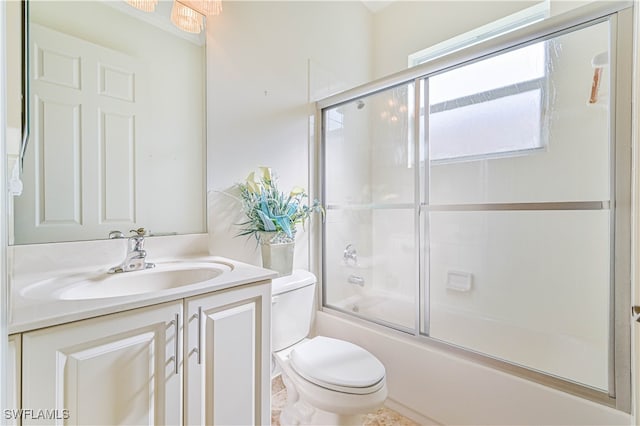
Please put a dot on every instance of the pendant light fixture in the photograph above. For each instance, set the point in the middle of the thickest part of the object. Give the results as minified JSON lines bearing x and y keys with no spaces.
{"x":186,"y":18}
{"x":211,"y":7}
{"x":144,"y":5}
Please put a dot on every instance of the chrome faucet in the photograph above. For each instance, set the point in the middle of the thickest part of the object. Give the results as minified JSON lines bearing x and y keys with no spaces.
{"x":135,"y":260}
{"x":350,"y":255}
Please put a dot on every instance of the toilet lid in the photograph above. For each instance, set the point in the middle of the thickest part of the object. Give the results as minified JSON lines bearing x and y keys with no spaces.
{"x":338,"y":365}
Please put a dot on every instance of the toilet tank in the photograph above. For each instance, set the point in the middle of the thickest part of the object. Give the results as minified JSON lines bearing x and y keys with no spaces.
{"x":291,"y":308}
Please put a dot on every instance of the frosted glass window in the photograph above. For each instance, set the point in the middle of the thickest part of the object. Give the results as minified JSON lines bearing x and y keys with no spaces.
{"x":502,"y":125}
{"x":507,"y":69}
{"x":491,"y":107}
{"x":540,"y":142}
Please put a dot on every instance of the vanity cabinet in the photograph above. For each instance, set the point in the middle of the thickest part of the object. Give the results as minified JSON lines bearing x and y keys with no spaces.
{"x":227,"y":346}
{"x":13,"y":378}
{"x":118,"y":369}
{"x":133,"y":368}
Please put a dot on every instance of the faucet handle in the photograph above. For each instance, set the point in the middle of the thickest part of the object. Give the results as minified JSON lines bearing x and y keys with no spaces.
{"x":140,"y":232}
{"x":115,"y":234}
{"x":350,"y":255}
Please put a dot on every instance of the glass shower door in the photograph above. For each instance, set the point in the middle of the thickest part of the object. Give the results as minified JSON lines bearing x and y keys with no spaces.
{"x":486,"y":206}
{"x":370,"y":231}
{"x":520,"y":216}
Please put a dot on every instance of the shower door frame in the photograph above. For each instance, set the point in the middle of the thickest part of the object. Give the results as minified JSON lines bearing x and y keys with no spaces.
{"x":620,"y":16}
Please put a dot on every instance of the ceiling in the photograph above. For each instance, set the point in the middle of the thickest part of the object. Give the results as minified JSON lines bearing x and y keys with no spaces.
{"x":376,"y":5}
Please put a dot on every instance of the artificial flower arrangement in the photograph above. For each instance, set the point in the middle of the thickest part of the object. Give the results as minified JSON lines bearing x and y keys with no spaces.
{"x":270,"y":210}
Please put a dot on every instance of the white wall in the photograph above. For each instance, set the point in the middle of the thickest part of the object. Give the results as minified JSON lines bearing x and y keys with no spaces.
{"x":265,"y":62}
{"x":406,"y":27}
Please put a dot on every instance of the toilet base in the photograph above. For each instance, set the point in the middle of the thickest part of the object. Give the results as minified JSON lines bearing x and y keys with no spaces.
{"x":298,"y":412}
{"x":310,"y":404}
{"x":313,"y":416}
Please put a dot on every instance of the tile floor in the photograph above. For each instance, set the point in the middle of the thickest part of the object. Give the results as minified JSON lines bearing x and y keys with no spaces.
{"x":383,"y":417}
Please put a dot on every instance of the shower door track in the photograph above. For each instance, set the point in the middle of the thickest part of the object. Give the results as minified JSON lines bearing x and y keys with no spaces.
{"x":542,"y":206}
{"x":545,"y":206}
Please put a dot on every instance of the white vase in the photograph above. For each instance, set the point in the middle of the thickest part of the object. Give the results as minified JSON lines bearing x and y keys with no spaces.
{"x":277,"y":252}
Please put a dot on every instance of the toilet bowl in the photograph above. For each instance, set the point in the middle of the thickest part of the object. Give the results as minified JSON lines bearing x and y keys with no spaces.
{"x":328,"y":381}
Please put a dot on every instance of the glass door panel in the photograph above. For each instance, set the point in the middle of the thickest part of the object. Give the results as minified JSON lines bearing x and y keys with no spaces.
{"x":504,"y":239}
{"x":367,"y":150}
{"x":519,"y":206}
{"x":524,"y":126}
{"x":531,"y":288}
{"x":370,"y":230}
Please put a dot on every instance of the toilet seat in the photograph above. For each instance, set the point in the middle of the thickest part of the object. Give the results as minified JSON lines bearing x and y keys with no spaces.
{"x":338,"y":365}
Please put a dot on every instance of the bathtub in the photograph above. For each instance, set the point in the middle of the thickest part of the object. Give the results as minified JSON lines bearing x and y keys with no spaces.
{"x":569,"y":357}
{"x":381,"y":306}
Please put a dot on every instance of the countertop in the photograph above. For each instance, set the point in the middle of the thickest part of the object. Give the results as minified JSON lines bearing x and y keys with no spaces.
{"x":30,"y":313}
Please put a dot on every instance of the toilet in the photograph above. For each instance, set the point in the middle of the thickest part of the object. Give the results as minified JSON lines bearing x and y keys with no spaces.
{"x":328,"y":381}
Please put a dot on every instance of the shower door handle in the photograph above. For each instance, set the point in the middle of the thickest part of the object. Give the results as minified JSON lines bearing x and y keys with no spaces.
{"x":635,"y":313}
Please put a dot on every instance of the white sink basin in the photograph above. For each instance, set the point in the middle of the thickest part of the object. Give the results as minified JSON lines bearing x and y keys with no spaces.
{"x":96,"y":285}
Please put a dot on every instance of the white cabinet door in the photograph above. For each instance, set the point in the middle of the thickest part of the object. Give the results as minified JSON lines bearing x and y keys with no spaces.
{"x":227,"y":348}
{"x":120,"y":369}
{"x":12,"y":417}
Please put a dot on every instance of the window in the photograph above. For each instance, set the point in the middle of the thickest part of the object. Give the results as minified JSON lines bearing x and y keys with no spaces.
{"x":499,"y":113}
{"x":463,"y":123}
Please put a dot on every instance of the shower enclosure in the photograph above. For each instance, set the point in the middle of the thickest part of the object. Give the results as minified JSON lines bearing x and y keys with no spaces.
{"x":481,"y":202}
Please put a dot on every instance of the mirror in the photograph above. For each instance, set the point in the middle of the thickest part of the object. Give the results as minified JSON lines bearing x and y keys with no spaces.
{"x":117,"y":124}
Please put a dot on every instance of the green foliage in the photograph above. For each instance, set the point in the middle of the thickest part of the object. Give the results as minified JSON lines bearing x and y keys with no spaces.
{"x":270,"y":210}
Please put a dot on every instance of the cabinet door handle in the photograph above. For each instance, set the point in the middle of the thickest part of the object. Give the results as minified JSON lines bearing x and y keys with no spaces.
{"x":177,"y":345}
{"x":199,"y":335}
